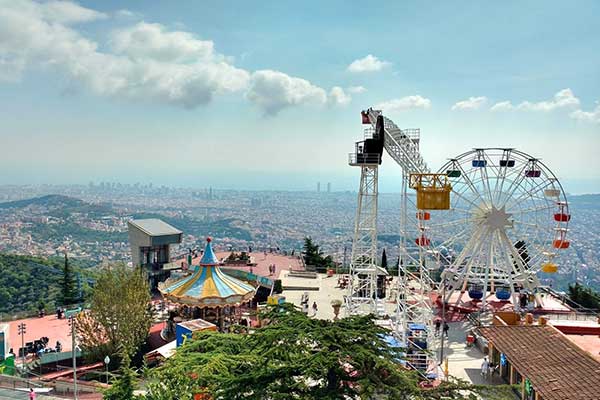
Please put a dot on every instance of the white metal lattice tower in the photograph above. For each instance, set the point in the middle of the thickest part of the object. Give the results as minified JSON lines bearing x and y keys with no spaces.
{"x":363,"y":268}
{"x":413,"y":300}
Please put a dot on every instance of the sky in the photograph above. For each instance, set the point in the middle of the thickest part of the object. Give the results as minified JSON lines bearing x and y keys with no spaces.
{"x":267,"y":95}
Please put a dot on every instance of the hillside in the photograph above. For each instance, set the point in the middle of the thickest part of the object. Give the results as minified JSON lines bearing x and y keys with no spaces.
{"x":25,"y":280}
{"x":41,"y":225}
{"x":219,"y":228}
{"x":60,"y":206}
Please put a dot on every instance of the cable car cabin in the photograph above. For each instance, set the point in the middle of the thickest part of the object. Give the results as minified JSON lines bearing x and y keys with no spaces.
{"x":479,"y":163}
{"x":533,"y":173}
{"x":422,"y":241}
{"x":423,"y":215}
{"x":433,"y":191}
{"x":549,"y":268}
{"x":562,"y":217}
{"x":507,"y":163}
{"x":551,"y":192}
{"x":453,"y":173}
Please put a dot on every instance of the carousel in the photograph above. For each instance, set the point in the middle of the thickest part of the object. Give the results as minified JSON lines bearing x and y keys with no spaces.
{"x":205,"y":292}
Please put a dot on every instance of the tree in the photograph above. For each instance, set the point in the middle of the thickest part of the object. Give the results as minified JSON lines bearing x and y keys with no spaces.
{"x":584,"y":296}
{"x":294,"y":357}
{"x":120,"y":314}
{"x":384,"y":264}
{"x":68,"y":292}
{"x":314,"y":256}
{"x":125,"y":385}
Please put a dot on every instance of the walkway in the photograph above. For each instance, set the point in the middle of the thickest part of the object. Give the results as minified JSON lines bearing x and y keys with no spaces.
{"x":14,"y":394}
{"x":465,"y":362}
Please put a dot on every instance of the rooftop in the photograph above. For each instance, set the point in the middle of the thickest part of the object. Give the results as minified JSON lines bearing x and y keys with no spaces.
{"x":557,"y":368}
{"x":154,"y":227}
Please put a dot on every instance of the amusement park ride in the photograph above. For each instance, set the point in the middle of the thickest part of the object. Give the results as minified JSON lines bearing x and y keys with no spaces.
{"x":484,"y":224}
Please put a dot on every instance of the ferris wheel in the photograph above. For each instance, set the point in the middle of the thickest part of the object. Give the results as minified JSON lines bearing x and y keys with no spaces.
{"x":507,"y":220}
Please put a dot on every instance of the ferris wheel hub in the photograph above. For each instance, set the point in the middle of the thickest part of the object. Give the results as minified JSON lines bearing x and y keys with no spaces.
{"x":494,"y":218}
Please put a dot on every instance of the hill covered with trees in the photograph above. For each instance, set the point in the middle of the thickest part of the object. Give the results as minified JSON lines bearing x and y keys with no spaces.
{"x":26,"y":281}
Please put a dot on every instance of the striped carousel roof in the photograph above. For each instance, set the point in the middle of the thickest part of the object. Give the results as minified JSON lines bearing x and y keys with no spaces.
{"x":207,"y":286}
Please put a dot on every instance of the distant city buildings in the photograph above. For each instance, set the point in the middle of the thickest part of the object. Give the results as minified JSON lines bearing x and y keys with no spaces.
{"x":238,"y":219}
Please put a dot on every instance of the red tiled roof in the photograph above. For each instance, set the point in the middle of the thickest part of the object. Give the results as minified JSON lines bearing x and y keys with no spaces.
{"x":557,"y":368}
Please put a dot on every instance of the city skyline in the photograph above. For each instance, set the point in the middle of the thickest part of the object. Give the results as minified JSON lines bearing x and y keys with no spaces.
{"x":212,"y":95}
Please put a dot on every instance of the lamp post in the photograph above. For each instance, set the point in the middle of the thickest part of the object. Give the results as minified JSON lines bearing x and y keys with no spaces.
{"x":22,"y":330}
{"x":106,"y":362}
{"x":443,"y":321}
{"x":74,"y":353}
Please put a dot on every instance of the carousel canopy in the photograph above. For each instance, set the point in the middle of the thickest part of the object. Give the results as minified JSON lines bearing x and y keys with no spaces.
{"x":207,"y":286}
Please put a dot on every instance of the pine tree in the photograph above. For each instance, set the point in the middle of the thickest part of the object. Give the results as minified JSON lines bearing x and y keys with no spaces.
{"x":384,"y":260}
{"x":125,"y":385}
{"x":296,"y":357}
{"x":314,"y":256}
{"x":69,"y":294}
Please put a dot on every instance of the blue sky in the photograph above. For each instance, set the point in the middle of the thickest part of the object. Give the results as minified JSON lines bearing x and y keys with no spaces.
{"x":266,"y":95}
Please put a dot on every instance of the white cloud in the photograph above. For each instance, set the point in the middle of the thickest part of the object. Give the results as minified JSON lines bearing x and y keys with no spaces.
{"x":562,"y":99}
{"x":502,"y":106}
{"x":369,"y":63}
{"x":142,"y":62}
{"x":337,"y":96}
{"x":472,"y":103}
{"x":587,"y":116}
{"x":124,"y":13}
{"x":144,"y":40}
{"x":273,"y":91}
{"x":66,"y":12}
{"x":356,"y":89}
{"x":404,"y":103}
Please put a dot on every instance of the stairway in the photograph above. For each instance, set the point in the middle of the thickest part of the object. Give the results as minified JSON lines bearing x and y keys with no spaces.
{"x":402,"y":145}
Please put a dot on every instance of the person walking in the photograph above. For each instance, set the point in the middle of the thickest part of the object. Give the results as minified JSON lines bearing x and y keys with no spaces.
{"x":446,"y":329}
{"x":485,"y":367}
{"x":315,"y":308}
{"x":32,"y":395}
{"x":438,"y":324}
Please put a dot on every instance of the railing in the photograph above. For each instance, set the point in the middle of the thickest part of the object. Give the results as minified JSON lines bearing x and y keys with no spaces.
{"x":363,"y":158}
{"x":576,"y":316}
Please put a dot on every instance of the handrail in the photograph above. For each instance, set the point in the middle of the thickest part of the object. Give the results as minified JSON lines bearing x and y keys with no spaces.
{"x":407,"y":155}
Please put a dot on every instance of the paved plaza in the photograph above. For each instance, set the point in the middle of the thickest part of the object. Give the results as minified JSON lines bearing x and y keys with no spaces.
{"x":463,"y":362}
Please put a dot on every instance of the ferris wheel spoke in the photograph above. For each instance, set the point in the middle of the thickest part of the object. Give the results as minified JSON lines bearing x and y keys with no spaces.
{"x":484,"y":175}
{"x":469,"y":183}
{"x":501,"y":176}
{"x":536,"y":226}
{"x":535,"y":209}
{"x":444,"y":225}
{"x":515,"y":184}
{"x":471,"y":202}
{"x":516,"y":259}
{"x":528,"y":193}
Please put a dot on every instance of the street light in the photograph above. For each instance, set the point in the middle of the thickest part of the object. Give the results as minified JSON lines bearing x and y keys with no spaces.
{"x":106,"y":362}
{"x":72,"y":321}
{"x":22,"y":330}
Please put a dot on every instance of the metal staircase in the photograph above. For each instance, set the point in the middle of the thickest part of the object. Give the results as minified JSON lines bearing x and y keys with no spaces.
{"x":401,"y":145}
